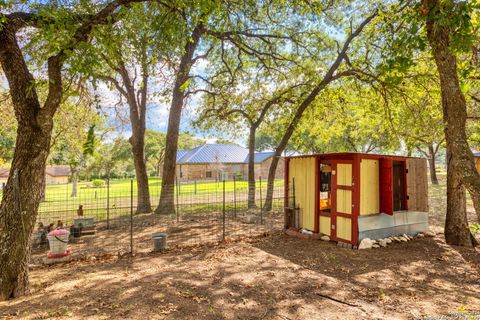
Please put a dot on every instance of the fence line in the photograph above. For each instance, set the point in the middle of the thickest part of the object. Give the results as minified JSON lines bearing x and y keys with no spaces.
{"x":204,"y":212}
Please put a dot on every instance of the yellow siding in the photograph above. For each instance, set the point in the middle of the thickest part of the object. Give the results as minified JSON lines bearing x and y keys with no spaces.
{"x":344,"y":201}
{"x":344,"y":228}
{"x":303,"y":170}
{"x":325,"y":225}
{"x":369,"y":187}
{"x":344,"y":174}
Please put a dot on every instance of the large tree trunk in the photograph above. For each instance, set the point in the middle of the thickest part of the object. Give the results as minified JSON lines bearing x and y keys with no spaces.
{"x":456,"y":223}
{"x":167,"y":204}
{"x":251,"y":169}
{"x":18,"y":209}
{"x":143,"y":193}
{"x":74,"y":182}
{"x":432,"y":165}
{"x":137,"y":103}
{"x":454,"y":105}
{"x":24,"y":188}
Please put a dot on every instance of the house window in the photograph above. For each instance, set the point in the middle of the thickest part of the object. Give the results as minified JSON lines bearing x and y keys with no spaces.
{"x":208,"y":174}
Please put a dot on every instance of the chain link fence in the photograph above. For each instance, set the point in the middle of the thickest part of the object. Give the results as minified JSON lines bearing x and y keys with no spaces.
{"x":102,"y":216}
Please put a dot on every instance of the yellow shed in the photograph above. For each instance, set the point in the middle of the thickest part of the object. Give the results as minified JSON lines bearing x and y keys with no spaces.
{"x":351,"y":196}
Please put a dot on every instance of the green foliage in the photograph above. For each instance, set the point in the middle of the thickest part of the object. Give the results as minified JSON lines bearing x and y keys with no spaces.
{"x":97,"y":183}
{"x":348,"y":117}
{"x":475,"y":228}
{"x":8,"y":129}
{"x":89,"y":145}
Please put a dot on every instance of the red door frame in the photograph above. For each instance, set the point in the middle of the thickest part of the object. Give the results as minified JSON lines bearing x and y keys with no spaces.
{"x":355,"y":161}
{"x":334,"y":213}
{"x":318,"y":162}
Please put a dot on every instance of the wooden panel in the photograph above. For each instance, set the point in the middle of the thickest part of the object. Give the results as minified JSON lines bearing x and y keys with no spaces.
{"x":303,"y":170}
{"x":344,"y":228}
{"x":477,"y":164}
{"x":344,"y":201}
{"x":417,"y":184}
{"x":325,"y":225}
{"x":344,"y":174}
{"x":386,"y":185}
{"x":369,"y":187}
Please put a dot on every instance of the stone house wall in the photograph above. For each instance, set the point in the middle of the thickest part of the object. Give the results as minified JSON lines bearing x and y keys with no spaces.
{"x":219,"y":171}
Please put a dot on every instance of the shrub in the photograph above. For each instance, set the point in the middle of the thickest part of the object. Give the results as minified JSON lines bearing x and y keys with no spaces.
{"x":98,"y":183}
{"x":475,"y":228}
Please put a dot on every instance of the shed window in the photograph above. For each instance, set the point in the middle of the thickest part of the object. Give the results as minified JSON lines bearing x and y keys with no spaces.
{"x":208,"y":174}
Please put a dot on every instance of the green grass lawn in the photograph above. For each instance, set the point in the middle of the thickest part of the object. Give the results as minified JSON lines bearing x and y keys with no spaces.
{"x":192,"y":198}
{"x":123,"y":188}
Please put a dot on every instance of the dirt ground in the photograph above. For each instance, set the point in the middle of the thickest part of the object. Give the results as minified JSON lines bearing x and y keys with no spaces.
{"x":275,"y":277}
{"x":189,"y":230}
{"x":265,"y":277}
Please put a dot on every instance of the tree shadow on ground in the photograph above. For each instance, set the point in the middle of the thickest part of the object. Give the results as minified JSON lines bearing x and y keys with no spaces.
{"x":274,"y":278}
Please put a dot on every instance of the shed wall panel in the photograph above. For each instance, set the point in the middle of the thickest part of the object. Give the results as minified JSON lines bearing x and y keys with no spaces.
{"x":325,"y":225}
{"x":303,"y":170}
{"x":344,"y":228}
{"x":344,"y":174}
{"x":344,"y":201}
{"x":369,"y":187}
{"x":417,"y":184}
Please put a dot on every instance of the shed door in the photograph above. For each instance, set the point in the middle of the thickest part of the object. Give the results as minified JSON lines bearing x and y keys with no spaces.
{"x":386,"y":183}
{"x":342,"y":201}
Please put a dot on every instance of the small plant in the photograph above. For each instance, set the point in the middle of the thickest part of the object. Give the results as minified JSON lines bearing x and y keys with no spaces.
{"x":475,"y":228}
{"x":97,"y":183}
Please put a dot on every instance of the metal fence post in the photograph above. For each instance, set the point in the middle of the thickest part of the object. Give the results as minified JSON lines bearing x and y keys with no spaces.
{"x":131,"y":217}
{"x":195,"y":185}
{"x":234,"y":196}
{"x":261,"y":202}
{"x":108,"y":203}
{"x":178,"y":194}
{"x":223,"y":211}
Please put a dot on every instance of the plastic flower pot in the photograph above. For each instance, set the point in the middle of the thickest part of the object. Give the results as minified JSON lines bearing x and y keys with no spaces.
{"x":58,"y":241}
{"x":159,"y":241}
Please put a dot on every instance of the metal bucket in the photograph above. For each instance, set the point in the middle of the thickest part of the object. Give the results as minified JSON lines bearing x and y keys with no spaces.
{"x":159,"y":241}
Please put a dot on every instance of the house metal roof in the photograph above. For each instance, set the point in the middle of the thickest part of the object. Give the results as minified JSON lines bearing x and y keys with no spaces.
{"x":54,"y":171}
{"x":4,"y":172}
{"x":476,"y":154}
{"x":219,"y":153}
{"x":57,"y":170}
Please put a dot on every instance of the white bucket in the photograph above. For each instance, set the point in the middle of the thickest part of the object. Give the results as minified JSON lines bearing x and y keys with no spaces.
{"x":58,"y":241}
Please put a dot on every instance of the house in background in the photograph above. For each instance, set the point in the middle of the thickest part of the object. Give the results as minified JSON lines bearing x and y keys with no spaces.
{"x":56,"y":174}
{"x":3,"y":175}
{"x":223,"y":162}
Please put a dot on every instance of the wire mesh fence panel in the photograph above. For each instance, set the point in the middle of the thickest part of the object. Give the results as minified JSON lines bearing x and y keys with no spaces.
{"x":102,"y":214}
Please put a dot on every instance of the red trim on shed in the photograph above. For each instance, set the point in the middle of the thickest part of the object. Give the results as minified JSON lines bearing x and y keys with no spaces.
{"x":386,"y":182}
